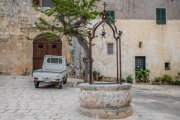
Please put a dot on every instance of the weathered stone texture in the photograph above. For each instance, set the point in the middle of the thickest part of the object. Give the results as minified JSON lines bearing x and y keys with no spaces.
{"x":160,"y":43}
{"x":17,"y":19}
{"x":105,"y":101}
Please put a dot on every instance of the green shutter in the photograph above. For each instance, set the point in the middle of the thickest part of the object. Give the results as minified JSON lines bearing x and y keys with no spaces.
{"x":160,"y":15}
{"x":163,"y":16}
{"x":112,"y":15}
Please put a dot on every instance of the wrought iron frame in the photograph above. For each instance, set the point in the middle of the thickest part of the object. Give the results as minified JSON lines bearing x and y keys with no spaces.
{"x":117,"y":37}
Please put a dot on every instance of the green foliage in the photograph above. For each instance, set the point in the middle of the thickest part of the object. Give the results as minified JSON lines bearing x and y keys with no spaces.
{"x":47,"y":36}
{"x":83,"y":73}
{"x":166,"y":78}
{"x":129,"y":78}
{"x":71,"y":11}
{"x":157,"y":79}
{"x":142,"y":75}
{"x":97,"y":75}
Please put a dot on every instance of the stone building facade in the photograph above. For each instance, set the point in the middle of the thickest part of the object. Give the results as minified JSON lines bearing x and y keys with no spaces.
{"x":144,"y":41}
{"x":17,"y":19}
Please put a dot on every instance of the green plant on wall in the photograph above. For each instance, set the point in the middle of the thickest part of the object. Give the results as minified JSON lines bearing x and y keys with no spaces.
{"x":129,"y":78}
{"x":142,"y":75}
{"x":157,"y":79}
{"x":167,"y":78}
{"x":97,"y":75}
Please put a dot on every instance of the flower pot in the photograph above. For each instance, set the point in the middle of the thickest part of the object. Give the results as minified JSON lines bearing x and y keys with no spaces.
{"x":129,"y":82}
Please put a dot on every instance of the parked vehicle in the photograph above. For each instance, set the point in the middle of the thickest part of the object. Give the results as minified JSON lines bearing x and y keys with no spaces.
{"x":54,"y":71}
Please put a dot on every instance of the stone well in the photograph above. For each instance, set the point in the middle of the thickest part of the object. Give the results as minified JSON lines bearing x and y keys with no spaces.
{"x":105,"y":101}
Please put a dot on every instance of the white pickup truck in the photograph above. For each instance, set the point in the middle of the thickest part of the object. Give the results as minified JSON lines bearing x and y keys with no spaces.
{"x":54,"y":71}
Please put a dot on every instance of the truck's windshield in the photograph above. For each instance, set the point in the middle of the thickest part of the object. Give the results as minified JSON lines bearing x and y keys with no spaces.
{"x":54,"y":60}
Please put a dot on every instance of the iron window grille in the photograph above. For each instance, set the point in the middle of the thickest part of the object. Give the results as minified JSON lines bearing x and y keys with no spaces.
{"x":110,"y":47}
{"x":140,"y":62}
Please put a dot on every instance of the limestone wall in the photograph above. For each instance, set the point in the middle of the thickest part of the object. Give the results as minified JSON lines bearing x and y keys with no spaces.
{"x":160,"y":43}
{"x":17,"y":19}
{"x":136,"y":18}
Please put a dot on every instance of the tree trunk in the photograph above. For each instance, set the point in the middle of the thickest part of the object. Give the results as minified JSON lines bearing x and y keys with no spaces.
{"x":86,"y":50}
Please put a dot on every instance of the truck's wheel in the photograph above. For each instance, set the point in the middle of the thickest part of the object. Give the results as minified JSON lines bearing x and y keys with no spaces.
{"x":36,"y":84}
{"x":60,"y":86}
{"x":65,"y":80}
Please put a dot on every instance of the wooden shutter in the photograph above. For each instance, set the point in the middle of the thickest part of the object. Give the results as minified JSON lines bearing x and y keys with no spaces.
{"x":163,"y":16}
{"x":158,"y":16}
{"x":36,"y":2}
{"x":110,"y":48}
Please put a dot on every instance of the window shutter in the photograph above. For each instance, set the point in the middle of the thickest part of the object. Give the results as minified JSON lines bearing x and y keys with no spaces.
{"x":163,"y":14}
{"x":36,"y":2}
{"x":110,"y":48}
{"x":47,"y":3}
{"x":112,"y":14}
{"x":158,"y":16}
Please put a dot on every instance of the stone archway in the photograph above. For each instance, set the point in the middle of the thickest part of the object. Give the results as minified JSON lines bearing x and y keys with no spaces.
{"x":42,"y":47}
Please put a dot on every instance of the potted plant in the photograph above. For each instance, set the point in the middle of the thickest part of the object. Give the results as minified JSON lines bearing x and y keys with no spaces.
{"x":142,"y":75}
{"x":129,"y":79}
{"x":166,"y":79}
{"x":100,"y":77}
{"x":157,"y":81}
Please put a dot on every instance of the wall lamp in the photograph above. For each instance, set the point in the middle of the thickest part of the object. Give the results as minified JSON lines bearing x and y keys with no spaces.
{"x":140,"y":44}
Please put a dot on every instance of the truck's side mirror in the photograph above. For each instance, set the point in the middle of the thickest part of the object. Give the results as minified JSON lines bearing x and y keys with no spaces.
{"x":67,"y":64}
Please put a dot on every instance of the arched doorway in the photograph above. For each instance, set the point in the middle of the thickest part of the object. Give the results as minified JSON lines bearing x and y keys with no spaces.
{"x":42,"y":47}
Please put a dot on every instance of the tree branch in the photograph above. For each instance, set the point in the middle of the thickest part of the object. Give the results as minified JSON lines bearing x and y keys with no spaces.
{"x":61,"y":19}
{"x":77,"y":24}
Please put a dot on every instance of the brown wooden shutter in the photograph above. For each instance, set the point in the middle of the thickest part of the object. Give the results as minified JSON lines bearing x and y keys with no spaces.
{"x":36,"y":2}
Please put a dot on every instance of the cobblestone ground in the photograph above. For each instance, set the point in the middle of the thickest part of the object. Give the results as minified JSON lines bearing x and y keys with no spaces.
{"x":19,"y":100}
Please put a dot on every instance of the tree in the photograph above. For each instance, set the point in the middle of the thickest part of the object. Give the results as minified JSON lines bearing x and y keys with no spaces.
{"x":71,"y":18}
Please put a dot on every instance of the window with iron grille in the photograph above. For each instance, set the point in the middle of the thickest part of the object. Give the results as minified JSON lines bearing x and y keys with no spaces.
{"x":140,"y":62}
{"x":110,"y":48}
{"x":43,"y":3}
{"x":112,"y":15}
{"x":160,"y":15}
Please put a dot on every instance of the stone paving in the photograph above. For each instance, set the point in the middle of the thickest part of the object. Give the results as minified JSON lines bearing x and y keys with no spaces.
{"x":19,"y":100}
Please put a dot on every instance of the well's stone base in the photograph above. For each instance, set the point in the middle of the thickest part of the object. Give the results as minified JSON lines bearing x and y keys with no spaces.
{"x":107,"y":113}
{"x":105,"y":101}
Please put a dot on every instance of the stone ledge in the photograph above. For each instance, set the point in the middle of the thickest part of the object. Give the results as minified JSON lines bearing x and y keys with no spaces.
{"x":105,"y":86}
{"x":115,"y":113}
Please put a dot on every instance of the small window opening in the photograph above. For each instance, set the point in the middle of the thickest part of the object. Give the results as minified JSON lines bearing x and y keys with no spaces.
{"x":110,"y":48}
{"x":40,"y":46}
{"x":167,"y":66}
{"x":54,"y":46}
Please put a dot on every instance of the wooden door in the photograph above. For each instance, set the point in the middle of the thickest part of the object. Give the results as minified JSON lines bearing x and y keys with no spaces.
{"x":42,"y":48}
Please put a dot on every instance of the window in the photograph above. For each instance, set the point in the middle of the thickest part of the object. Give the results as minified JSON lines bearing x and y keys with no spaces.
{"x":43,"y":3}
{"x":54,"y":46}
{"x":110,"y":48}
{"x":112,"y":15}
{"x":40,"y":46}
{"x":167,"y":66}
{"x":160,"y":15}
{"x":36,"y":2}
{"x":54,"y":60}
{"x":140,"y":62}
